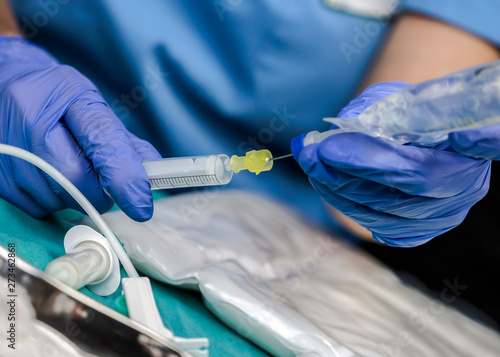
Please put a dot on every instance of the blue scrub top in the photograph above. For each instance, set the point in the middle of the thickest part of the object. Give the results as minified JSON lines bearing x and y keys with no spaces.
{"x":197,"y":77}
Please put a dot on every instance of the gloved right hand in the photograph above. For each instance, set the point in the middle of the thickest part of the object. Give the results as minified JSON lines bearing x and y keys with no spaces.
{"x":56,"y":113}
{"x":404,"y":194}
{"x":482,"y":143}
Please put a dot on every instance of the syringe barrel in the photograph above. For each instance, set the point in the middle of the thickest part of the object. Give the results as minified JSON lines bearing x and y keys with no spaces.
{"x":189,"y":171}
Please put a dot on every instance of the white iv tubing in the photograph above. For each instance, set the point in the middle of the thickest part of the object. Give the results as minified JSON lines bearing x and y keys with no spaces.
{"x":80,"y":198}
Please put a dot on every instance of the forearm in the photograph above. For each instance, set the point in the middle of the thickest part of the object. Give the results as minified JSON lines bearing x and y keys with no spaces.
{"x":8,"y":24}
{"x":420,"y":48}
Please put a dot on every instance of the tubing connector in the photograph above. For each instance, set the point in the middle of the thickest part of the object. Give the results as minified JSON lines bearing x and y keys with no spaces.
{"x":89,"y":261}
{"x":254,"y":161}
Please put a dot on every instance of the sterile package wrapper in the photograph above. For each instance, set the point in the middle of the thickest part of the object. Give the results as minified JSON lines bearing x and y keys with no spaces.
{"x":292,"y":288}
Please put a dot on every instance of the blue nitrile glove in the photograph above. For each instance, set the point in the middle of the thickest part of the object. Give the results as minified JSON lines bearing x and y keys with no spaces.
{"x":483,"y":143}
{"x":55,"y":112}
{"x":404,"y":194}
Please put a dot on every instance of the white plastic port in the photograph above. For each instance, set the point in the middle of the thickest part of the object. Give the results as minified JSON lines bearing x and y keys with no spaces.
{"x":89,"y":261}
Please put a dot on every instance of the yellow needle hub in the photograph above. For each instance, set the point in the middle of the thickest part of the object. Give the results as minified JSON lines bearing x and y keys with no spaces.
{"x":254,"y":161}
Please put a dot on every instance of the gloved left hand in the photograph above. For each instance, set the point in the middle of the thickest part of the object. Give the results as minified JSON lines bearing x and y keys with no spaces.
{"x":404,"y":194}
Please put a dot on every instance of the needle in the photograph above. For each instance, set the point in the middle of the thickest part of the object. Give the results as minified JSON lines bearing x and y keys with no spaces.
{"x":281,"y":157}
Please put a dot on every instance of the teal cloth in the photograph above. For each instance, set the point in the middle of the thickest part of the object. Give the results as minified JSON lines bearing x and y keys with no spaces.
{"x":40,"y":241}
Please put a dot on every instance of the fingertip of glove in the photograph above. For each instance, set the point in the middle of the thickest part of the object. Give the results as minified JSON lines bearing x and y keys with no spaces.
{"x":308,"y":157}
{"x":132,"y":193}
{"x":142,"y":214}
{"x":297,"y":145}
{"x":138,"y":205}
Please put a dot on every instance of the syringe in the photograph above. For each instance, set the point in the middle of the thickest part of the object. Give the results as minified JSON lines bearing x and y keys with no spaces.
{"x":208,"y":170}
{"x":189,"y":171}
{"x":427,"y":112}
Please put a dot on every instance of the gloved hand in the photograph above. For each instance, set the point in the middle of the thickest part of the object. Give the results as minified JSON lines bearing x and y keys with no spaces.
{"x":483,"y":143}
{"x":404,"y":194}
{"x":55,"y":112}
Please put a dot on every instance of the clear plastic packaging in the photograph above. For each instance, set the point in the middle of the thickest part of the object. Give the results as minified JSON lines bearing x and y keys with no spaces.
{"x":427,"y":112}
{"x":291,"y":288}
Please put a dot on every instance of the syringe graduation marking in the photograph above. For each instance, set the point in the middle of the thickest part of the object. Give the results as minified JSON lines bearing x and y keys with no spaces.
{"x":174,"y":182}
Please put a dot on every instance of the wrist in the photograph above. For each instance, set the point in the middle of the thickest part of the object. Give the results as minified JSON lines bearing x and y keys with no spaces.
{"x":10,"y":36}
{"x":22,"y":46}
{"x":17,"y":55}
{"x":9,"y":33}
{"x":8,"y":23}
